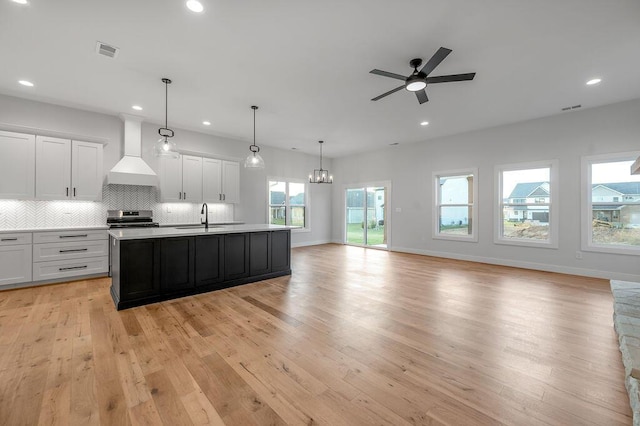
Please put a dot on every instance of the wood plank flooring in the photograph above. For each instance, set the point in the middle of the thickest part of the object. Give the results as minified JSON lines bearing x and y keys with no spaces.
{"x":353,"y":337}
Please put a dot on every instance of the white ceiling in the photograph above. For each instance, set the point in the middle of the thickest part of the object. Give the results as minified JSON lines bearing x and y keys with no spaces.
{"x":306,"y":63}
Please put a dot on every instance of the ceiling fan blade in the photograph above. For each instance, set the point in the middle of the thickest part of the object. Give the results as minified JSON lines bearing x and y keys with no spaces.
{"x":388,"y":93}
{"x":452,"y":77}
{"x":422,"y":96}
{"x":435,"y":60}
{"x":388,"y":74}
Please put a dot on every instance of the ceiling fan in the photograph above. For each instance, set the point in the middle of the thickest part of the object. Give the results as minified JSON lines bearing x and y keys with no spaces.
{"x":418,"y":80}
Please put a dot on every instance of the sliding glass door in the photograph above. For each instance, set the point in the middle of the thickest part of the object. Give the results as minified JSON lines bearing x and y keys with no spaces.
{"x":365,"y":216}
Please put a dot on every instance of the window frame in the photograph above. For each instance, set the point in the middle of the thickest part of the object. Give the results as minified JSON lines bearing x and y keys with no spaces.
{"x":554,"y":204}
{"x":437,"y":204}
{"x":287,"y":205}
{"x":586,"y":240}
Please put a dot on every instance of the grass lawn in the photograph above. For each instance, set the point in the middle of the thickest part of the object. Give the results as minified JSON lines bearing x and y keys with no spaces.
{"x":355,"y":234}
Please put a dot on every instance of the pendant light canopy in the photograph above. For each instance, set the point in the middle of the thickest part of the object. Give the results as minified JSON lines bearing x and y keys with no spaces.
{"x":165,"y":147}
{"x":254,"y":160}
{"x":320,"y":175}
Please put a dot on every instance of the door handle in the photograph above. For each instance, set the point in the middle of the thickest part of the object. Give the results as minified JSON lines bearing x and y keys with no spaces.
{"x":185,"y":196}
{"x":73,"y":236}
{"x":72,"y":267}
{"x":67,"y":191}
{"x":74,"y":250}
{"x":9,"y":239}
{"x":74,"y":191}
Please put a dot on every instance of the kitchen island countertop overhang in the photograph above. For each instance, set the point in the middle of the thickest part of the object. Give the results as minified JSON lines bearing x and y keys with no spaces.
{"x":166,"y":232}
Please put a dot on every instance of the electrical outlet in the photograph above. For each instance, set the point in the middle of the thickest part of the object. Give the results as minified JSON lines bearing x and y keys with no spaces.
{"x":579,"y":255}
{"x":398,"y":209}
{"x":168,"y":209}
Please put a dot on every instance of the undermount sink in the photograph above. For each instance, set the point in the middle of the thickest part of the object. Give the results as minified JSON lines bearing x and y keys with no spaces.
{"x":196,"y":227}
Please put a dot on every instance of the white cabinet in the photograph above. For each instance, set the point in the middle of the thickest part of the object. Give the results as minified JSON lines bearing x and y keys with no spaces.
{"x":221,"y":181}
{"x":68,"y":170}
{"x":17,"y":165}
{"x":181,"y":179}
{"x":62,"y":254}
{"x":15,"y":258}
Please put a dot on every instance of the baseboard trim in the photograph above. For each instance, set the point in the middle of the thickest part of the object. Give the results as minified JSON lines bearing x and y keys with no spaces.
{"x":310,"y":243}
{"x":523,"y":264}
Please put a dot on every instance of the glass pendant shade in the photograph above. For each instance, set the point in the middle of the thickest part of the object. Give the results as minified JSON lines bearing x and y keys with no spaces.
{"x":254,"y":161}
{"x":165,"y":148}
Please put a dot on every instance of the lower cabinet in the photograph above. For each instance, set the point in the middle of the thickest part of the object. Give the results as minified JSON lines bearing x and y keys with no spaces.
{"x":177,"y":257}
{"x":15,"y":264}
{"x":150,"y":270}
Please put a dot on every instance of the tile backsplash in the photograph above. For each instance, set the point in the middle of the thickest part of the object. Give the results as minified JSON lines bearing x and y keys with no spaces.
{"x":17,"y":214}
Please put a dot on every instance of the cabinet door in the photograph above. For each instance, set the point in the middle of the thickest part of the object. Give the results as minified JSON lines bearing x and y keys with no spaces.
{"x":260,"y":253}
{"x":280,"y":251}
{"x":211,"y":180}
{"x":236,"y":256}
{"x":230,"y":182}
{"x":209,"y":259}
{"x":17,"y":166}
{"x":15,"y":264}
{"x":192,"y":178}
{"x":86,"y":171}
{"x":139,"y":269}
{"x":171,"y":179}
{"x":53,"y":168}
{"x":177,"y":257}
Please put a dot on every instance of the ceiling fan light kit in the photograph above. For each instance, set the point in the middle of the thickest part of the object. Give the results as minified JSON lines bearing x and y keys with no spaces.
{"x":419,"y":79}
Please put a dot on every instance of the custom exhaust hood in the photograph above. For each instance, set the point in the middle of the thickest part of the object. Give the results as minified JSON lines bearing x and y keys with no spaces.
{"x":131,"y":169}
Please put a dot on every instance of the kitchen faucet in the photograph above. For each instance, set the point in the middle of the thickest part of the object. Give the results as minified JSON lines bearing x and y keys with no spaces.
{"x":205,"y":211}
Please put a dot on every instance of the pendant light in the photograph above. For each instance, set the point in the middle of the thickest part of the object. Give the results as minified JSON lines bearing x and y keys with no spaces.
{"x":254,"y":160}
{"x":165,"y":147}
{"x":320,"y":175}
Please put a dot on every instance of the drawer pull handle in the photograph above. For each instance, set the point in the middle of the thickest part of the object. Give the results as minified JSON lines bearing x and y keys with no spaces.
{"x":73,"y":250}
{"x":72,"y":267}
{"x":74,"y":236}
{"x":9,"y":239}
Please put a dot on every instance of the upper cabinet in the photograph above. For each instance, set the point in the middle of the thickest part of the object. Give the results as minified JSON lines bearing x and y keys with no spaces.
{"x":17,"y":165}
{"x":220,"y":181}
{"x":197,"y":179}
{"x":181,"y":179}
{"x":68,"y":170}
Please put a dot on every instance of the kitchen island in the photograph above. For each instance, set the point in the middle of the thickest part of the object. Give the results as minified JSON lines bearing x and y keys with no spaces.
{"x":153,"y":264}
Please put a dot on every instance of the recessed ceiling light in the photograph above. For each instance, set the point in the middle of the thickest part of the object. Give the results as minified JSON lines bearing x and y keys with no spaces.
{"x":424,"y":123}
{"x":20,"y":1}
{"x":195,"y":6}
{"x":206,"y":123}
{"x":593,"y":81}
{"x":25,"y":83}
{"x":137,"y":107}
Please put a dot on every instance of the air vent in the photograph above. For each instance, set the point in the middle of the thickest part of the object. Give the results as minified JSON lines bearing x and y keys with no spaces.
{"x":569,"y":108}
{"x":106,"y":50}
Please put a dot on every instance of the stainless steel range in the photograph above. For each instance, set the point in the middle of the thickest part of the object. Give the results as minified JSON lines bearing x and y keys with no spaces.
{"x":130,"y":219}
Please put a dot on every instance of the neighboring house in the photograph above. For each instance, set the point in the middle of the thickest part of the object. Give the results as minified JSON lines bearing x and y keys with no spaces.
{"x":454,"y":191}
{"x":617,"y":192}
{"x":528,"y":194}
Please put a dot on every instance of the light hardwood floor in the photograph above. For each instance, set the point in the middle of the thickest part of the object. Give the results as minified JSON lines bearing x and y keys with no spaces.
{"x":353,"y":337}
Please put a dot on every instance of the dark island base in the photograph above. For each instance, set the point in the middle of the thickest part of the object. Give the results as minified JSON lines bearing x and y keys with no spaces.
{"x":162,"y":297}
{"x":155,"y":269}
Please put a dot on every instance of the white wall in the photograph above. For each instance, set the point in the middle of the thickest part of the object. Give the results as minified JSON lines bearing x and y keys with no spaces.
{"x":566,"y":137}
{"x":18,"y":114}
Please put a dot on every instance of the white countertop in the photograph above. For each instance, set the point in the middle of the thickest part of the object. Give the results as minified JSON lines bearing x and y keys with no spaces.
{"x":163,"y":232}
{"x":174,"y":225}
{"x":62,"y":228}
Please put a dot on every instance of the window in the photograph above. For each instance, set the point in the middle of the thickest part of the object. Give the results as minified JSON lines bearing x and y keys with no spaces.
{"x":455,"y":212}
{"x":609,"y":224}
{"x":288,"y":203}
{"x":527,"y":204}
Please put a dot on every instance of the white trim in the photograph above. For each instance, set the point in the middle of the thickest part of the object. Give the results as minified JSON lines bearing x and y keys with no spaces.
{"x":594,"y":273}
{"x":386,"y":184}
{"x":310,"y":243}
{"x":435,"y":204}
{"x":554,"y":204}
{"x":307,"y":200}
{"x":586,"y":240}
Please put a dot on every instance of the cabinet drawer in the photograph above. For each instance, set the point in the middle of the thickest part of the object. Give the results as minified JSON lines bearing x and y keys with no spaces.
{"x":70,"y":250}
{"x":70,"y":268}
{"x":72,"y":235}
{"x":15,"y":239}
{"x":15,"y":264}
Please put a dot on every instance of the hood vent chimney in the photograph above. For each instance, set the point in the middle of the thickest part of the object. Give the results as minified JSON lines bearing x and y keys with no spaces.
{"x":131,"y":169}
